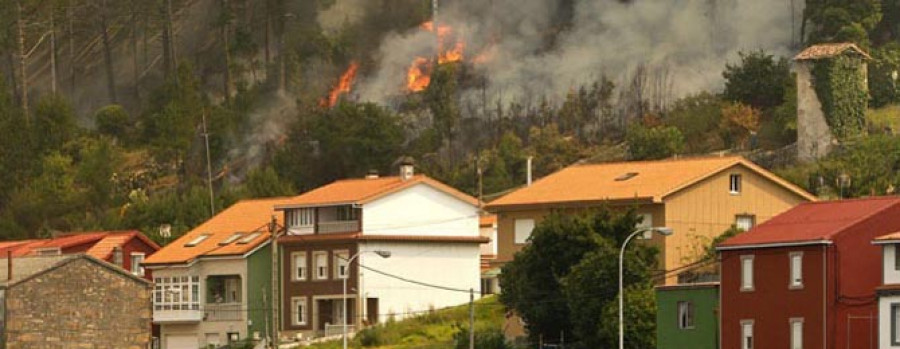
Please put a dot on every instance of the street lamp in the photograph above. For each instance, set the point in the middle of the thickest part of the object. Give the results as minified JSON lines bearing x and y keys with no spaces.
{"x":664,"y":231}
{"x":382,"y":254}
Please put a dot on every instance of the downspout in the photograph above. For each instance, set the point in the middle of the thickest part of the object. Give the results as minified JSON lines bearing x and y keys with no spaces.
{"x":824,"y":297}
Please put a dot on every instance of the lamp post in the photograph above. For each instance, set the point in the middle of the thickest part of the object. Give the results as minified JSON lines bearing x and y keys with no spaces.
{"x":383,"y":254}
{"x":664,"y":231}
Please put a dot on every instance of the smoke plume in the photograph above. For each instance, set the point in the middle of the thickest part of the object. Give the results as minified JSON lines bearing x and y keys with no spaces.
{"x":547,"y":47}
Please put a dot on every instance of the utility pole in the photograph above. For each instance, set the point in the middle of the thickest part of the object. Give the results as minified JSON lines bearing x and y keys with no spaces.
{"x":273,"y":235}
{"x":471,"y":318}
{"x":212,"y":203}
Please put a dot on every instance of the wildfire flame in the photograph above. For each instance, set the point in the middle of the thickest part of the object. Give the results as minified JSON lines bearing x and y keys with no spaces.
{"x":342,"y":87}
{"x":418,"y":75}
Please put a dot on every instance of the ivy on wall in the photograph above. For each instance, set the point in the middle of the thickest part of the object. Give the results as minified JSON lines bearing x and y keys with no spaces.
{"x":839,"y":83}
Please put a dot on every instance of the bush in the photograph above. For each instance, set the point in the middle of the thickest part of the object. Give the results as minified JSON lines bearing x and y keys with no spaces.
{"x":653,"y":143}
{"x":370,"y":337}
{"x":490,"y":338}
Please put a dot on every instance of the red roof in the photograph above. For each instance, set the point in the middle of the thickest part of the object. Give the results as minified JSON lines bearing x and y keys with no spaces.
{"x":101,"y":248}
{"x":811,"y":222}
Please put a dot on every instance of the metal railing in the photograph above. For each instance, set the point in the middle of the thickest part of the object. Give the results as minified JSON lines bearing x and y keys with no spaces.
{"x":223,"y":312}
{"x":337,"y":330}
{"x":338,"y":227}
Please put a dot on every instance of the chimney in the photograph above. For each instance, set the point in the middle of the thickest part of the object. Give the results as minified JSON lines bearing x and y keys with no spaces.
{"x":373,"y":174}
{"x":528,"y":174}
{"x":407,"y":168}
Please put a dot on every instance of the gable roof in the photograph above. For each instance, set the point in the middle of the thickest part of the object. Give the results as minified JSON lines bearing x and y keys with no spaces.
{"x":25,"y":268}
{"x":365,"y":190}
{"x":892,"y":238}
{"x":810,"y":223}
{"x":245,"y":217}
{"x":823,"y":51}
{"x":102,"y":243}
{"x":637,"y":180}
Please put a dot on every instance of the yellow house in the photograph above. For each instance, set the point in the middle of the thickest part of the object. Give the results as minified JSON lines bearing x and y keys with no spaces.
{"x":699,"y":198}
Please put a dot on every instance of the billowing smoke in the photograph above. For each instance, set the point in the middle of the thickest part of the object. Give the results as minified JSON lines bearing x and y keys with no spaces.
{"x":547,"y":47}
{"x":340,"y":13}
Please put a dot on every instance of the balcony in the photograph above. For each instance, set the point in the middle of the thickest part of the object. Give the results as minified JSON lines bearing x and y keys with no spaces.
{"x":177,"y":316}
{"x":223,"y":312}
{"x":338,"y":227}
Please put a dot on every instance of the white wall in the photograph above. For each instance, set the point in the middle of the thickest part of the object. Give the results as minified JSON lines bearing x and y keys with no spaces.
{"x":884,"y":321}
{"x":891,"y":275}
{"x":420,"y":210}
{"x":490,"y":233}
{"x":453,"y":265}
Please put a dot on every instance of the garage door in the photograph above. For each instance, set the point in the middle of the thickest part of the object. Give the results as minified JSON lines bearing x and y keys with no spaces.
{"x":181,"y":342}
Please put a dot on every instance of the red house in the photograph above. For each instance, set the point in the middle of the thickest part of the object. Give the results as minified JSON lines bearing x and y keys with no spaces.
{"x":807,"y":277}
{"x":127,"y":249}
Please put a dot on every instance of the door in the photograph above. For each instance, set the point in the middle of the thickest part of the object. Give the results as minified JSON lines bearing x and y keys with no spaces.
{"x":181,"y":342}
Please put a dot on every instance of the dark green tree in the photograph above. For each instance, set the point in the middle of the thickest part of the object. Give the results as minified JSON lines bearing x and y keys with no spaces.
{"x":653,"y":143}
{"x":759,"y":80}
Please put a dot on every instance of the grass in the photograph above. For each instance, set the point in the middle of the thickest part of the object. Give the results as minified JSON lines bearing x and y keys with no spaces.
{"x":432,"y":330}
{"x":886,"y":117}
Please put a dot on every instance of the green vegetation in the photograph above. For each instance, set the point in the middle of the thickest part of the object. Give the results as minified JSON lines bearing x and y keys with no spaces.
{"x":439,"y":329}
{"x":565,"y":281}
{"x":839,"y":84}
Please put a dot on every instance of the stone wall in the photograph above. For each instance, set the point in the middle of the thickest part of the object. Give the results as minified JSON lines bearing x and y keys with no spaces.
{"x":814,"y":138}
{"x":80,"y":304}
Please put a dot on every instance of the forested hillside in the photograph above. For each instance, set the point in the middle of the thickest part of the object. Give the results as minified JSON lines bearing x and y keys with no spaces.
{"x":106,"y":106}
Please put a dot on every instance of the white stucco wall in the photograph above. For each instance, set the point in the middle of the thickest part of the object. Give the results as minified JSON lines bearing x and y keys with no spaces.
{"x":454,"y":265}
{"x":891,"y":275}
{"x":203,"y":269}
{"x":884,"y":321}
{"x":420,"y":210}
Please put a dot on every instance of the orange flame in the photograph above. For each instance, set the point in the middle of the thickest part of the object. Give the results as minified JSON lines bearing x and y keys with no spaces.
{"x":342,"y":87}
{"x":418,"y":76}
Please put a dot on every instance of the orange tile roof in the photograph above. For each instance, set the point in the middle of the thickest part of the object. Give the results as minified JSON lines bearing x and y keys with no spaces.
{"x":245,"y":217}
{"x":487,"y":220}
{"x":637,"y":180}
{"x":361,"y":191}
{"x":822,"y":51}
{"x":103,"y":249}
{"x":103,"y":243}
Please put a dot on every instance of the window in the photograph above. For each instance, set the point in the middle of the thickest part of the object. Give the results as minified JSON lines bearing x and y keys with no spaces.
{"x":796,"y":270}
{"x":247,"y":239}
{"x":230,"y":239}
{"x":895,"y":324}
{"x":340,"y":264}
{"x":47,"y":251}
{"x":223,"y":289}
{"x":303,"y":217}
{"x":744,"y":221}
{"x":347,"y":213}
{"x":320,"y":260}
{"x":197,"y":240}
{"x":685,"y":315}
{"x":136,"y":260}
{"x":796,"y":333}
{"x":747,"y":334}
{"x":299,"y":265}
{"x":734,"y":186}
{"x":646,"y":220}
{"x":298,"y":307}
{"x":176,"y":293}
{"x":746,"y":273}
{"x":896,"y":256}
{"x":523,"y":230}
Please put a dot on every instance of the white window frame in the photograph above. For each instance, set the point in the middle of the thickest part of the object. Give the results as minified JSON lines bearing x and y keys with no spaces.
{"x":748,"y":283}
{"x":316,"y":267}
{"x":136,"y":267}
{"x":247,"y":239}
{"x":750,"y":217}
{"x":176,"y":293}
{"x":197,"y":240}
{"x":299,"y":318}
{"x":299,"y":272}
{"x":519,"y":227}
{"x":796,"y":342}
{"x":735,"y":183}
{"x":796,"y":270}
{"x":688,"y":308}
{"x":231,"y":239}
{"x":745,"y":324}
{"x":341,"y":257}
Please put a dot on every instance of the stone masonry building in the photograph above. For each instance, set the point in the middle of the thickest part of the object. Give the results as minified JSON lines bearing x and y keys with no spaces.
{"x":72,"y":301}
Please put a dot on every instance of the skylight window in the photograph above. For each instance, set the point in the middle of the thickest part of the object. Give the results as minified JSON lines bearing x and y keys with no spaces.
{"x":197,"y":240}
{"x":231,"y":239}
{"x":626,"y":176}
{"x":248,"y":238}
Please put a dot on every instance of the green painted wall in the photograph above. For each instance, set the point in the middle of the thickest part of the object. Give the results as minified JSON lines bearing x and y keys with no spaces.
{"x":259,"y":291}
{"x":704,"y":335}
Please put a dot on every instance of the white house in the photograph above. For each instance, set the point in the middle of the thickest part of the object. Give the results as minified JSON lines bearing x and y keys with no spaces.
{"x":889,"y":292}
{"x":430,"y":230}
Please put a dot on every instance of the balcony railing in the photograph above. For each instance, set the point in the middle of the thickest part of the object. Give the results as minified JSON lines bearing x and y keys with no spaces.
{"x":177,"y":316}
{"x":338,"y":227}
{"x":223,"y":312}
{"x":337,"y":330}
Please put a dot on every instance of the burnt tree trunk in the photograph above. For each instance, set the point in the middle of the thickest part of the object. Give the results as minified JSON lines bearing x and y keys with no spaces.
{"x":23,"y":64}
{"x":107,"y":53}
{"x":226,"y":27}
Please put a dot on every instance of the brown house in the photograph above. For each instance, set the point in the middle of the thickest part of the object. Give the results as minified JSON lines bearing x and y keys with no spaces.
{"x":72,"y":301}
{"x":699,"y":198}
